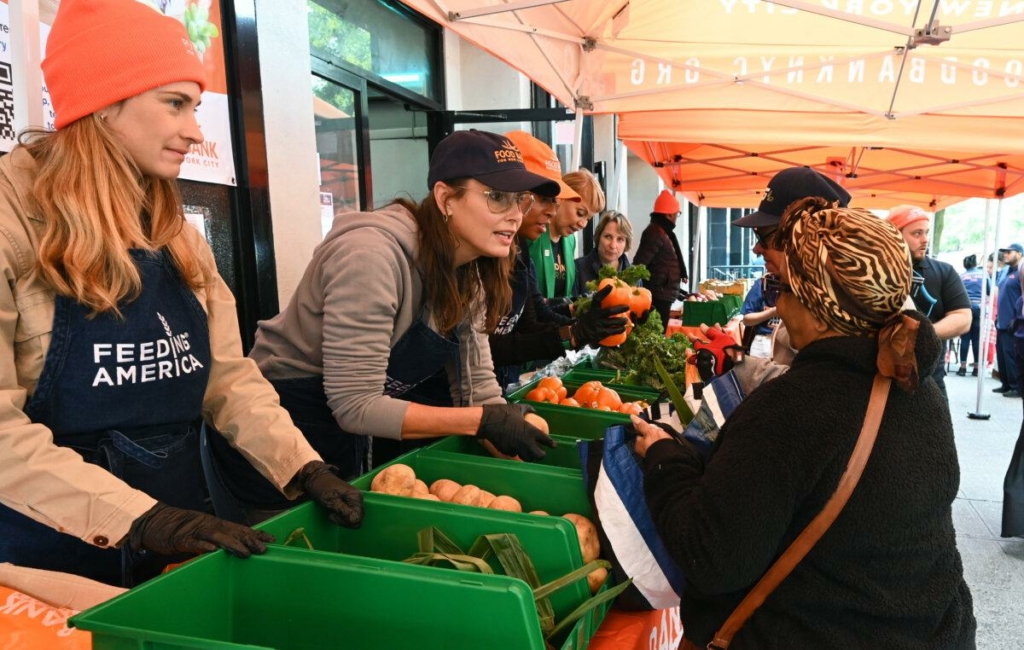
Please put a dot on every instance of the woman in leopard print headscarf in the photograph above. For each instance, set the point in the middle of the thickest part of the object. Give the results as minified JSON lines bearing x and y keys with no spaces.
{"x":846,"y":265}
{"x":851,"y":271}
{"x":888,"y":568}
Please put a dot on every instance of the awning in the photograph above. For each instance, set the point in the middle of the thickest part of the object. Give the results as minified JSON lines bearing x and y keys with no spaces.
{"x":940,"y":77}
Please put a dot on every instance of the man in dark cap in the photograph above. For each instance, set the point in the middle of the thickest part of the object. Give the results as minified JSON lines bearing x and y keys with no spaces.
{"x":786,"y":187}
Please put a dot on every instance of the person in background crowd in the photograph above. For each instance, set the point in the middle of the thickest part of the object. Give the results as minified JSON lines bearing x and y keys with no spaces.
{"x":385,"y":335}
{"x":532,"y":331}
{"x":760,"y":319}
{"x":614,"y":236}
{"x":554,"y":256}
{"x":117,"y":335}
{"x":1009,"y":291}
{"x":937,"y":289}
{"x":659,"y":251}
{"x":974,"y":280}
{"x":887,"y":572}
{"x":993,"y":345}
{"x":1001,"y":268}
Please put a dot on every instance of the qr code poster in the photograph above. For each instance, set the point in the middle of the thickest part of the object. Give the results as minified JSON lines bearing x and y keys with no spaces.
{"x":7,"y":134}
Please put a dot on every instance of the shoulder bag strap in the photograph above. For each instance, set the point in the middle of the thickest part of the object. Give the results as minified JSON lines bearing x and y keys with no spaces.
{"x":803,"y":544}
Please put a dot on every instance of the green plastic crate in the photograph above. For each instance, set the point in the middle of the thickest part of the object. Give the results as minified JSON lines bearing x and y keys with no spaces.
{"x":291,"y":599}
{"x":566,"y":454}
{"x":607,"y":377}
{"x":389,"y":532}
{"x":575,"y":422}
{"x":627,"y":393}
{"x":556,"y":490}
{"x":711,"y":312}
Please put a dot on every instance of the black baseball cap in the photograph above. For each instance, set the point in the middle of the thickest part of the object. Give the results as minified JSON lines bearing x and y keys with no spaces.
{"x":492,"y":159}
{"x":788,"y":186}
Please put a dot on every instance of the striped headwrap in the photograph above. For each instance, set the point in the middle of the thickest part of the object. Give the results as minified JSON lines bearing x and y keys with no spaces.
{"x":852,"y":270}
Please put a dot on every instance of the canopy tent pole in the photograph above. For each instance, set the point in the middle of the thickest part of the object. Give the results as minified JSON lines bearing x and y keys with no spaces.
{"x":28,"y":75}
{"x":577,"y":140}
{"x":987,"y":309}
{"x":700,"y":247}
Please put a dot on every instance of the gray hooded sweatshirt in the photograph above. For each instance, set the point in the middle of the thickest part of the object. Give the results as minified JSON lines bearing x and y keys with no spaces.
{"x":360,"y":293}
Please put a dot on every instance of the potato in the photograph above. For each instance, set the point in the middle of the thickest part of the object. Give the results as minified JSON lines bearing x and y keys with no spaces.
{"x":425,"y":496}
{"x":506,"y":503}
{"x":419,"y":488}
{"x":596,"y":578}
{"x":539,"y":512}
{"x":444,"y":489}
{"x":538,"y":422}
{"x":468,"y":495}
{"x":485,"y":498}
{"x":585,"y":530}
{"x":394,"y":479}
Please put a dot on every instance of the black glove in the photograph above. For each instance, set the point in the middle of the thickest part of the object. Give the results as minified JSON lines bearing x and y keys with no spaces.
{"x":505,"y":426}
{"x":344,"y":503}
{"x":598,"y":323}
{"x":166,"y":530}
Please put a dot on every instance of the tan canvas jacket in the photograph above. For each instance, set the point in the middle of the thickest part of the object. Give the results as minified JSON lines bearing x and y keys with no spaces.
{"x":53,"y":484}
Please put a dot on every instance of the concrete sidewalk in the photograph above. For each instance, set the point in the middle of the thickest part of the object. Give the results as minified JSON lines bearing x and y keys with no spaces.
{"x":994,"y":566}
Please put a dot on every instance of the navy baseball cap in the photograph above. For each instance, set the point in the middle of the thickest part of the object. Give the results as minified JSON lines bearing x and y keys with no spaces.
{"x":492,"y":159}
{"x":1013,"y":247}
{"x":788,"y":186}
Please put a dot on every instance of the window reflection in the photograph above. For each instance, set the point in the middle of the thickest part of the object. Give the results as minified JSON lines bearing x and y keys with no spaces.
{"x":333,"y":109}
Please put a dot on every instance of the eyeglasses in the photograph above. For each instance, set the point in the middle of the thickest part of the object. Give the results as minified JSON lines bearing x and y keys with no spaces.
{"x":772,"y":287}
{"x":545,"y":200}
{"x":500,"y":201}
{"x":764,"y":236}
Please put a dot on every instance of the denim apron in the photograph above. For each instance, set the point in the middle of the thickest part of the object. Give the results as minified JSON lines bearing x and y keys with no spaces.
{"x":415,"y":372}
{"x":126,"y":394}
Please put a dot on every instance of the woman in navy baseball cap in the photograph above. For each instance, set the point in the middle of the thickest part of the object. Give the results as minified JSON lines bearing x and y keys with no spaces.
{"x":386,"y":335}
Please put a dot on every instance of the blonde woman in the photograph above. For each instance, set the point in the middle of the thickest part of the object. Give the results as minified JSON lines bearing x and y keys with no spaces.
{"x":554,"y":256}
{"x":117,"y":336}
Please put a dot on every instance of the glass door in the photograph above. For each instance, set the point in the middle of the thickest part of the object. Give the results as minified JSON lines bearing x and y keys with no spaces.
{"x":335,"y":107}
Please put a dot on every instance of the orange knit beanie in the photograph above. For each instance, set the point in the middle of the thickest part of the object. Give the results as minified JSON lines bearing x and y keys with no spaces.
{"x":102,"y":51}
{"x":902,"y":216}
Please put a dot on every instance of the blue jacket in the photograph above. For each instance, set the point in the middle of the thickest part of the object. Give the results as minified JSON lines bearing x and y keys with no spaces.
{"x":1009,"y":291}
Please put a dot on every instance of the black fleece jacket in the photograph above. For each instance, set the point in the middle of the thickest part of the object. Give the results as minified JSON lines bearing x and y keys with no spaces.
{"x":887,"y":574}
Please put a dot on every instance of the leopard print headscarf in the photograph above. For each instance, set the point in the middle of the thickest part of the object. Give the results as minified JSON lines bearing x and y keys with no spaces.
{"x":850,"y":268}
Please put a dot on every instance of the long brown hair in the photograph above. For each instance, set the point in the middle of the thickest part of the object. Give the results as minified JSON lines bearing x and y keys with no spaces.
{"x":451,"y":291}
{"x":97,"y":205}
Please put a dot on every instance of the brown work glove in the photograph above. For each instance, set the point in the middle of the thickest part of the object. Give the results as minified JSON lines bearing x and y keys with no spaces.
{"x":167,"y":530}
{"x":344,"y":503}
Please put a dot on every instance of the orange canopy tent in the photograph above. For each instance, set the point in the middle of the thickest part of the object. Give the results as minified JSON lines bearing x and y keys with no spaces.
{"x":868,"y":81}
{"x":735,"y":175}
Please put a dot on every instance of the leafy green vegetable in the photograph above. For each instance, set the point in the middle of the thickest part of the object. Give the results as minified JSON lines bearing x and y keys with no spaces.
{"x":647,"y":342}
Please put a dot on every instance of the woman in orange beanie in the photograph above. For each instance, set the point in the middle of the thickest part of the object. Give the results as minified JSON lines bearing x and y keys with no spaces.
{"x":117,"y":335}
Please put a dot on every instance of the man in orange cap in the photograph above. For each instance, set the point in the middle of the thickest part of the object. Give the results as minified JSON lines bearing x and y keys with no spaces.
{"x":659,"y":251}
{"x":532,"y":331}
{"x":937,"y":290}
